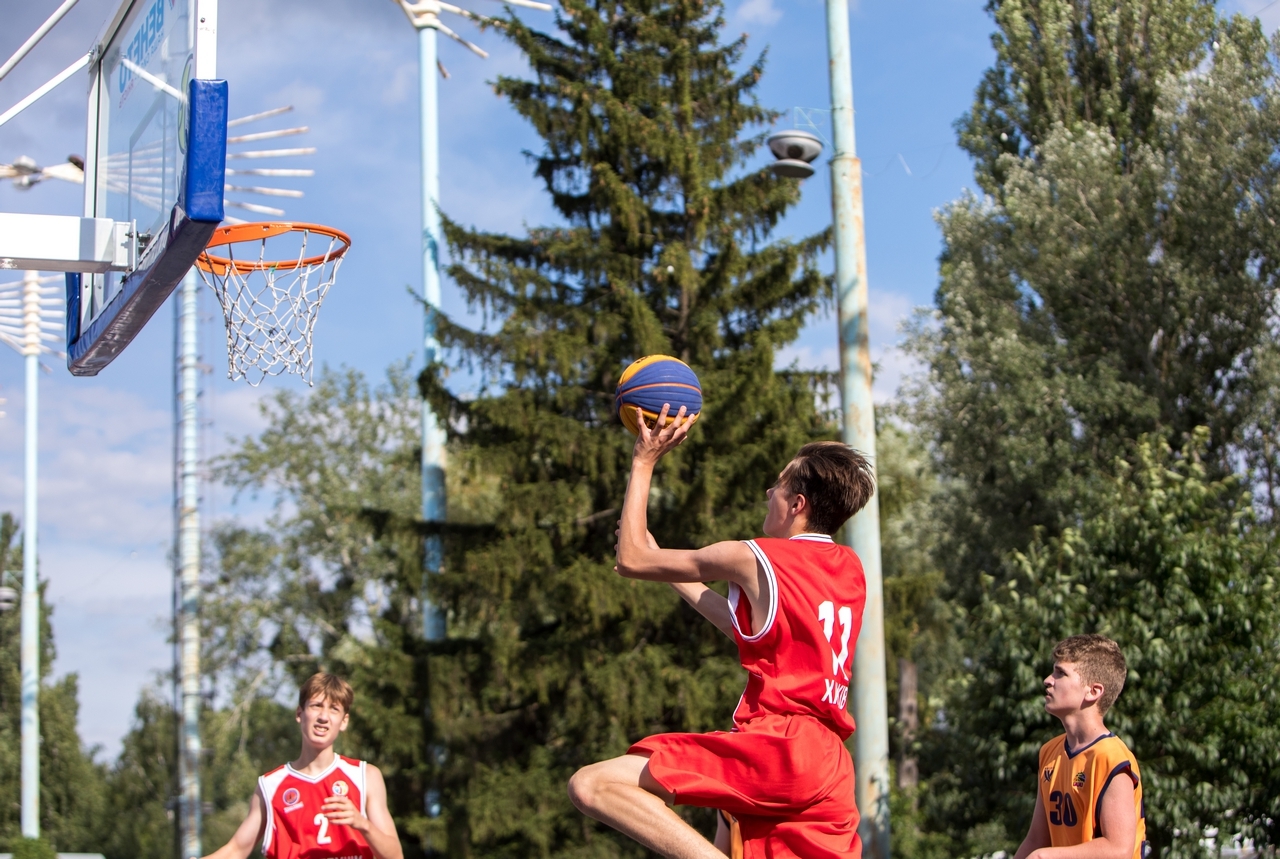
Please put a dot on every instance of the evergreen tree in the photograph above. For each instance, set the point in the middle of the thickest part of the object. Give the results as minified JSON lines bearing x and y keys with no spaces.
{"x":647,"y":121}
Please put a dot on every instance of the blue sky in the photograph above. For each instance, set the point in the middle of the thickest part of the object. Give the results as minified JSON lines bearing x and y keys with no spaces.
{"x":350,"y":68}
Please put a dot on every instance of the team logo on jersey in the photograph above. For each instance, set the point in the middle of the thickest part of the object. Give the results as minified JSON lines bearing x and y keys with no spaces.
{"x":340,"y":788}
{"x":1048,"y":774}
{"x":1078,"y":782}
{"x":291,"y":797}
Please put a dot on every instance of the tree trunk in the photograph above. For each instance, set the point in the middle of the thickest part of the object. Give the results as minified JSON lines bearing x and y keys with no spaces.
{"x":909,"y":721}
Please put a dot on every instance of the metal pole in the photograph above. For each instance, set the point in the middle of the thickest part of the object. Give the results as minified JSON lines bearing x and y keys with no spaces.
{"x":863,"y":532}
{"x":433,"y":439}
{"x":189,"y":574}
{"x":30,"y":583}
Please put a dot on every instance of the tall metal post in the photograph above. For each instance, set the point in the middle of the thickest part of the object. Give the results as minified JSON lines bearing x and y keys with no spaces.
{"x":30,"y":583}
{"x":433,"y":438}
{"x":189,"y":807}
{"x":862,"y":534}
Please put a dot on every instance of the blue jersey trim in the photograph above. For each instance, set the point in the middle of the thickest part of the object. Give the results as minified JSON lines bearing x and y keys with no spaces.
{"x":1070,"y":754}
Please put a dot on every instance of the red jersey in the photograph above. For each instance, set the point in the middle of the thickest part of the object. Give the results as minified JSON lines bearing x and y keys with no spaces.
{"x":800,"y":663}
{"x":296,"y":826}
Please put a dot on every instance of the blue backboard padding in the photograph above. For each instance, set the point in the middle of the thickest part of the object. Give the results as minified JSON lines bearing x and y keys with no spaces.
{"x":202,"y":188}
{"x":173,"y":252}
{"x":73,"y":306}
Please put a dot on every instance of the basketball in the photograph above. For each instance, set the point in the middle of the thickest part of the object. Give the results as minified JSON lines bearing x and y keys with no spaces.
{"x":653,"y":382}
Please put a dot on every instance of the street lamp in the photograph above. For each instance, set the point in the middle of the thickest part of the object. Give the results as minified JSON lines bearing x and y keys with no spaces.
{"x":794,"y":151}
{"x":425,"y":18}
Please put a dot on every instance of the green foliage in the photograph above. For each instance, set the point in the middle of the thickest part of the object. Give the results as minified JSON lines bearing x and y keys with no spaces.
{"x":1112,"y":289}
{"x":33,"y":848}
{"x":1169,"y":562}
{"x":71,"y":782}
{"x":1116,"y":284}
{"x":332,"y":582}
{"x":1070,"y":63}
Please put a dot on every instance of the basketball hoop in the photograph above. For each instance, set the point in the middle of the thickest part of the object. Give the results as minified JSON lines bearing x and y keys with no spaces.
{"x":270,"y":305}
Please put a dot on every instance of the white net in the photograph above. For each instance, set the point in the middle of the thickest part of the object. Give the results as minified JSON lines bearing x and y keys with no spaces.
{"x":270,"y":308}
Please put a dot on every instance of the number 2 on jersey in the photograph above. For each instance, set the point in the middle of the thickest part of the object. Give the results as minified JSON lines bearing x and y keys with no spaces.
{"x":323,"y":822}
{"x":827,"y":614}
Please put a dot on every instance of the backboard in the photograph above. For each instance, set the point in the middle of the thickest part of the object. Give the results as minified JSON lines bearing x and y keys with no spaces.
{"x":156,"y":158}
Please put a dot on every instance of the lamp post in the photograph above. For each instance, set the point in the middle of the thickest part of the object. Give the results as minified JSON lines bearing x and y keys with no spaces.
{"x":425,"y":18}
{"x":862,"y":534}
{"x":30,"y":314}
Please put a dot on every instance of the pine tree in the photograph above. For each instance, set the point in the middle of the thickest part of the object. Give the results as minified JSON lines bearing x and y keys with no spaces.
{"x":648,"y":121}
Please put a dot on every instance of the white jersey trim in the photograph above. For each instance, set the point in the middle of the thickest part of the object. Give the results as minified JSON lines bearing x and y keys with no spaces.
{"x":735,"y":594}
{"x":815,"y":538}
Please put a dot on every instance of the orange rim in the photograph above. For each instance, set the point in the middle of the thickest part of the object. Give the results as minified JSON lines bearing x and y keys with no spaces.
{"x":235,"y":233}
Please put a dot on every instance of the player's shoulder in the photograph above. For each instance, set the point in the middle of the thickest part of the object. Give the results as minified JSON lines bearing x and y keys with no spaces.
{"x":277,"y":772}
{"x":1113,"y":750}
{"x":355,"y":762}
{"x":1053,"y":747}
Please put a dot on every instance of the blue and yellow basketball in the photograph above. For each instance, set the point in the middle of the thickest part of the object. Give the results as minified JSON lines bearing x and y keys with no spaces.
{"x":653,"y":382}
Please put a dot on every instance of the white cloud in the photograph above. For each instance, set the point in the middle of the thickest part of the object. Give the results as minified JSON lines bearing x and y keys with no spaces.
{"x":759,"y":12}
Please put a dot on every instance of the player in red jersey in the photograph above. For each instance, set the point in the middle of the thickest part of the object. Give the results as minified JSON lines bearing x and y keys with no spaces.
{"x":794,"y":608}
{"x":321,"y":806}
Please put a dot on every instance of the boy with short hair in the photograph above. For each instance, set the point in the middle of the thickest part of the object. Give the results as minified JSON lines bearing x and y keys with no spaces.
{"x":794,"y":608}
{"x":1089,"y":801}
{"x":323,"y":805}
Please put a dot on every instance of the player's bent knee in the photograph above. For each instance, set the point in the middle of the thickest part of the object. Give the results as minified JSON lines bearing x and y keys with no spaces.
{"x":583,"y":789}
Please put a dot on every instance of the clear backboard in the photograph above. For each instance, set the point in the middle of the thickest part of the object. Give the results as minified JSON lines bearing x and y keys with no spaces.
{"x":156,"y":158}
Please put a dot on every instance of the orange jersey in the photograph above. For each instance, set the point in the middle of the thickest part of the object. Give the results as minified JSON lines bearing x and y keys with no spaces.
{"x":1073,"y":782}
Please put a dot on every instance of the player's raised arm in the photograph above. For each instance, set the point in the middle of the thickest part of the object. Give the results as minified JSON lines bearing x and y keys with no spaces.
{"x":247,"y":835}
{"x":727,"y":561}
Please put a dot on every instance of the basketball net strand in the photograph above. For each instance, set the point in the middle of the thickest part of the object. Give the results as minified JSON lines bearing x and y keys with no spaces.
{"x":271,"y":313}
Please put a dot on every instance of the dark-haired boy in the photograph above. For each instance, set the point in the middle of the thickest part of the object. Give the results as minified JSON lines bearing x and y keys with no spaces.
{"x":794,"y":608}
{"x":323,"y":805}
{"x":1089,"y":801}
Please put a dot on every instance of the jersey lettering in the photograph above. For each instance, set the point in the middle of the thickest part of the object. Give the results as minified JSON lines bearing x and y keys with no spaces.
{"x":837,"y":693}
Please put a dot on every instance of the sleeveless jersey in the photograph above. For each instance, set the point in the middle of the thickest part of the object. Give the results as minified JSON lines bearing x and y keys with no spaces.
{"x":296,"y":826}
{"x":1072,"y":784}
{"x":800,"y":662}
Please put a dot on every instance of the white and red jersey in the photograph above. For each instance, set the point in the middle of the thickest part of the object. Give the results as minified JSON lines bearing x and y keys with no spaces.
{"x":296,"y":826}
{"x":800,"y":662}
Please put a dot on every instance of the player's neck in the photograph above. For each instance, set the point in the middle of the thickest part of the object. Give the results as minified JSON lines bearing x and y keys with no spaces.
{"x":312,"y":760}
{"x":1083,"y":727}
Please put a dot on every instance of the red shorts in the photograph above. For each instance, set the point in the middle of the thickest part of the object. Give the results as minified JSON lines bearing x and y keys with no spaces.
{"x":788,"y":780}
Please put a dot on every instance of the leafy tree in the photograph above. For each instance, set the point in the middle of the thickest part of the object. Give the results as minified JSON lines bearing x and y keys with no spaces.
{"x":1114,"y":284}
{"x":332,"y":582}
{"x":71,"y":782}
{"x":1117,"y":282}
{"x":647,"y":122}
{"x":1169,"y":562}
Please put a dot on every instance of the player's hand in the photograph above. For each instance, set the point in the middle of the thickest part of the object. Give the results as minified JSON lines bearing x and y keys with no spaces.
{"x":340,"y":809}
{"x":652,"y":444}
